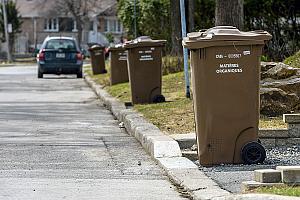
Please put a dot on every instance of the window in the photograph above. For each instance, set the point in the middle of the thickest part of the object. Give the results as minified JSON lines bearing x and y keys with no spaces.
{"x":91,"y":25}
{"x":113,"y":26}
{"x":67,"y":25}
{"x":51,"y":24}
{"x":61,"y":44}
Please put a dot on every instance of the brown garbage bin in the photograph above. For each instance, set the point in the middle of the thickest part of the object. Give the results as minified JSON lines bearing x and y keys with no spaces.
{"x":144,"y":69}
{"x":225,"y":70}
{"x":118,"y":65}
{"x":97,"y":59}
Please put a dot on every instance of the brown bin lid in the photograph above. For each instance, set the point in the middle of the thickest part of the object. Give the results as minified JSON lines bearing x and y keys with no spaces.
{"x":117,"y":47}
{"x":144,"y":41}
{"x":96,"y":47}
{"x":223,"y":36}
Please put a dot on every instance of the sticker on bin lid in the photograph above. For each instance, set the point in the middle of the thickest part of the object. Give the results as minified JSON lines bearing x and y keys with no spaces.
{"x":246,"y":53}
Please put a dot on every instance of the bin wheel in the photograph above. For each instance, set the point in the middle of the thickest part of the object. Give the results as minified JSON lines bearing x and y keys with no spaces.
{"x":253,"y":153}
{"x":158,"y":99}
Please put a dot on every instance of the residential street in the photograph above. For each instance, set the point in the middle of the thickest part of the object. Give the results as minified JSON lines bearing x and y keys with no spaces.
{"x":58,"y":141}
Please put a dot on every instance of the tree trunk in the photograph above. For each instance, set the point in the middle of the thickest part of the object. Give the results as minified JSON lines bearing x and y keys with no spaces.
{"x":191,"y":11}
{"x":79,"y":25}
{"x":176,"y":28}
{"x":230,"y":13}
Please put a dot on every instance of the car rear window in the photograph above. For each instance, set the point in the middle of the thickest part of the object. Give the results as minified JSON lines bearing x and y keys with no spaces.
{"x":61,"y":44}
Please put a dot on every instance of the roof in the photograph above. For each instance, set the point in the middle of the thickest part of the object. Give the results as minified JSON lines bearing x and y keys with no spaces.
{"x":42,"y":8}
{"x":110,"y":11}
{"x":34,"y":8}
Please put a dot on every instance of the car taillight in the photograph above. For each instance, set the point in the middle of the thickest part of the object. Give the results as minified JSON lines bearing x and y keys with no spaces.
{"x":41,"y":56}
{"x":79,"y":56}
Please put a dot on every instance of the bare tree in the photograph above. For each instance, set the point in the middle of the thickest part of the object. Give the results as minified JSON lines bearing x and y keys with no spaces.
{"x":79,"y":10}
{"x":230,"y":12}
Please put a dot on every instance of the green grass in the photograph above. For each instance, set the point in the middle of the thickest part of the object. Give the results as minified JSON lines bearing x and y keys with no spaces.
{"x":171,"y":117}
{"x":293,"y":60}
{"x":102,"y":79}
{"x":174,"y":116}
{"x":121,"y":91}
{"x":280,"y":190}
{"x":271,"y":122}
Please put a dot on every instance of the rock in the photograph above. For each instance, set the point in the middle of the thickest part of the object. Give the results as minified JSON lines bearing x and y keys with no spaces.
{"x":280,"y":71}
{"x":290,"y":85}
{"x":275,"y":101}
{"x":280,"y":89}
{"x":265,"y":66}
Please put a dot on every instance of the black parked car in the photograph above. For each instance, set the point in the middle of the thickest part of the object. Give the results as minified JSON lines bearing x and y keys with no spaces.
{"x":59,"y":55}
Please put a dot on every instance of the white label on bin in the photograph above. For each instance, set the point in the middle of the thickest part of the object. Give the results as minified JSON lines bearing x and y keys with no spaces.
{"x":122,"y":56}
{"x":146,"y":57}
{"x":234,"y":55}
{"x":231,"y":55}
{"x":219,"y":56}
{"x":225,"y":68}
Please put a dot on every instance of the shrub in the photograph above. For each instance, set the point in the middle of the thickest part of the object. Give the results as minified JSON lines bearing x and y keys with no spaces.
{"x":293,"y":60}
{"x":172,"y":64}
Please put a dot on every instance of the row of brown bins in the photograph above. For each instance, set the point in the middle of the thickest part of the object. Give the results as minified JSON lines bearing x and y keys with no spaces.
{"x":225,"y":74}
{"x":143,"y":70}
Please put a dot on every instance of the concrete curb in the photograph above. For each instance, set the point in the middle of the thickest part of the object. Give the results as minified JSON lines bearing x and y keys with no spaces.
{"x":166,"y":152}
{"x":155,"y":143}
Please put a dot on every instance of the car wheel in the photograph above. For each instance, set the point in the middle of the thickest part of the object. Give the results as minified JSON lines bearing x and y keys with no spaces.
{"x":40,"y":74}
{"x":253,"y":153}
{"x":79,"y":74}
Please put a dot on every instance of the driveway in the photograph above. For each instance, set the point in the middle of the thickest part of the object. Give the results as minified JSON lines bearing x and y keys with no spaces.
{"x":58,"y":141}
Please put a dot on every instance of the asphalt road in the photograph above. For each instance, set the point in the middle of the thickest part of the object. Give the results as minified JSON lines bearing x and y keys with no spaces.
{"x":58,"y":141}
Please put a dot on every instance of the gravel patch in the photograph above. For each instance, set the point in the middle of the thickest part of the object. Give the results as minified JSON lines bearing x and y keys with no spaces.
{"x":230,"y":177}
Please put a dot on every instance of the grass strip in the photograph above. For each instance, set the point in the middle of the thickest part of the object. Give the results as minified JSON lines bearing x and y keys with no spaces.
{"x":280,"y":190}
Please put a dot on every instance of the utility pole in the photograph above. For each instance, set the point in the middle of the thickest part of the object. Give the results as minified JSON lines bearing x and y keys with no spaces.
{"x":9,"y":59}
{"x":185,"y":51}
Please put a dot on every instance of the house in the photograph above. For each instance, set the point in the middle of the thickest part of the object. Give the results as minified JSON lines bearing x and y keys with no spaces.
{"x":41,"y":18}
